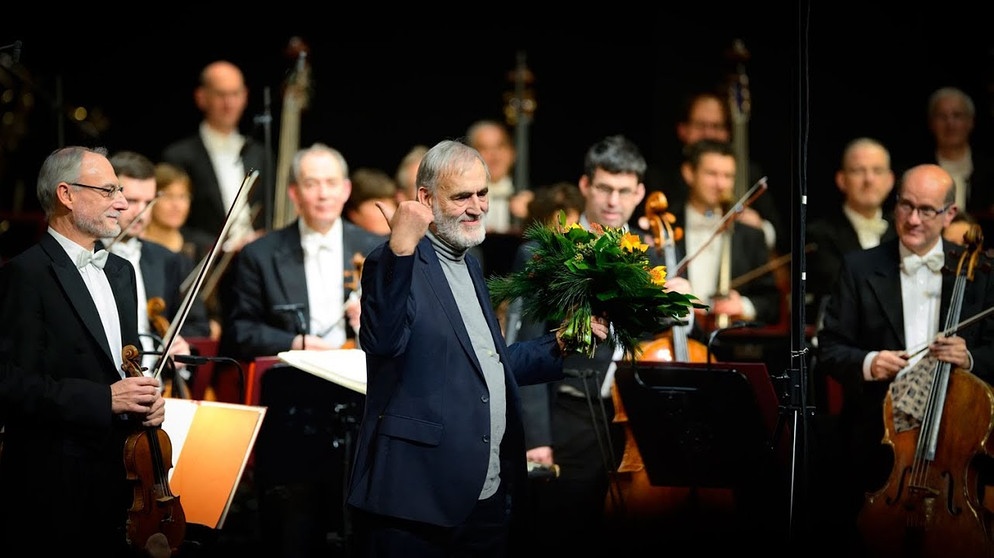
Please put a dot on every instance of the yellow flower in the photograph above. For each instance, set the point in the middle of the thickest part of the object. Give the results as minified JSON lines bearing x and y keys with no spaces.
{"x":632,"y":242}
{"x":658,"y":275}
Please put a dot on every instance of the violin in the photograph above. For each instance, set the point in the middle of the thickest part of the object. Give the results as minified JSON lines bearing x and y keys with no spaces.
{"x":155,"y":511}
{"x":353,"y":282}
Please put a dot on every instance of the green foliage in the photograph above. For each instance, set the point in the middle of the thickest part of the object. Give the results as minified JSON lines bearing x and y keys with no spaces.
{"x":574,"y":274}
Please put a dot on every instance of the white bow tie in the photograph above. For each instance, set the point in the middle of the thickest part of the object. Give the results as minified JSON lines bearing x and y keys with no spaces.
{"x":877,"y":227}
{"x":312,"y":244}
{"x":912,"y":262}
{"x":86,"y":257}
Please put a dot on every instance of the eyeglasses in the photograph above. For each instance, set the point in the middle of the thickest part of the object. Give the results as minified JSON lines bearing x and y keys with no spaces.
{"x":109,"y":191}
{"x":926,"y":212}
{"x":607,"y":191}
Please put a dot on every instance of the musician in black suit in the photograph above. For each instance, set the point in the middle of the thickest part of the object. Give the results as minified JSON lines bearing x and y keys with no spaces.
{"x":889,"y":301}
{"x":293,"y":289}
{"x":706,"y":115}
{"x":218,"y":157}
{"x":65,"y":314}
{"x":951,"y":120}
{"x":568,"y":423}
{"x":865,"y":180}
{"x":709,"y":172}
{"x":160,"y":271}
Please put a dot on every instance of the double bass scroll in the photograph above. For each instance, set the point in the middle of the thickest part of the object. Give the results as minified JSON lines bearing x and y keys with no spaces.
{"x":295,"y":100}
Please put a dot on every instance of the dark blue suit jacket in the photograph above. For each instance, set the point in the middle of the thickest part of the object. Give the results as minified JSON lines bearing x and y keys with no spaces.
{"x":422,"y":451}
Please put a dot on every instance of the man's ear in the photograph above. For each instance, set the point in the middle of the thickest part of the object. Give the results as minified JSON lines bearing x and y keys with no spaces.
{"x":687,"y":172}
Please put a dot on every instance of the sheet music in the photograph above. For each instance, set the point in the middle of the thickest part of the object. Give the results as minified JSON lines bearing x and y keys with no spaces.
{"x":345,"y":367}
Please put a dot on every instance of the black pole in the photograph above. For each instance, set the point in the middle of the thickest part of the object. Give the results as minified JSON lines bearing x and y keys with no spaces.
{"x":796,"y":395}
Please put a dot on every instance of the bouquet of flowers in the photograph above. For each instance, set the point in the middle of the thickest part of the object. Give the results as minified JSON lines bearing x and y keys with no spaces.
{"x":574,"y":274}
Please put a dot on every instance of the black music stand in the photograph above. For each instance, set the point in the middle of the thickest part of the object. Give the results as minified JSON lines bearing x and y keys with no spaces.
{"x":700,"y":425}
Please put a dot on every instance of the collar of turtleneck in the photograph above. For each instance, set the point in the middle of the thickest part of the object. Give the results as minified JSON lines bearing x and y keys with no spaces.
{"x":446,"y":250}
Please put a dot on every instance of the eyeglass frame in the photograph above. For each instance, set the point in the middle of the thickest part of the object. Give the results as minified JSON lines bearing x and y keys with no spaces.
{"x":109,"y":192}
{"x":607,"y":191}
{"x":926,"y":212}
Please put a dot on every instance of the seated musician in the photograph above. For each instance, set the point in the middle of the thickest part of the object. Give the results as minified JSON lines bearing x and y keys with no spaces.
{"x":709,"y":170}
{"x":290,"y":290}
{"x":889,"y":301}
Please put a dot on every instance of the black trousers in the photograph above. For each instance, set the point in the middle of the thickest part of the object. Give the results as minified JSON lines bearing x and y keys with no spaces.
{"x":302,"y":459}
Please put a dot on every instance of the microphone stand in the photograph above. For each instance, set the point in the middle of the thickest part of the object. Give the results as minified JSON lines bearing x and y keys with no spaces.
{"x":794,"y":400}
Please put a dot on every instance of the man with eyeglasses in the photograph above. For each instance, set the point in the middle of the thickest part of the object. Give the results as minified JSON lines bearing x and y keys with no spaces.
{"x":67,"y":307}
{"x":888,"y":302}
{"x":572,"y":418}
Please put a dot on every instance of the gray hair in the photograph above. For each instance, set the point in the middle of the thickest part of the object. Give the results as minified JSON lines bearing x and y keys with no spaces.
{"x":955,"y":93}
{"x":446,"y":158}
{"x":317,"y":148}
{"x":62,"y":165}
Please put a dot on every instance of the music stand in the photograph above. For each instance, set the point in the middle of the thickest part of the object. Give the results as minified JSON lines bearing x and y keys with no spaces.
{"x":699,"y":425}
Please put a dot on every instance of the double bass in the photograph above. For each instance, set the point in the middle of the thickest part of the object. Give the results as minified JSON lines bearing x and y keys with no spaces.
{"x":930,"y":504}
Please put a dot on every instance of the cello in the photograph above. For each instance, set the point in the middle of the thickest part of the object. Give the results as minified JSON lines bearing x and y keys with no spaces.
{"x":930,"y":504}
{"x":631,"y":495}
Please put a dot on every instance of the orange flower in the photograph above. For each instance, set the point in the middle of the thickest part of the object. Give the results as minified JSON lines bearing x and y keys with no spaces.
{"x":658,"y":275}
{"x":632,"y":242}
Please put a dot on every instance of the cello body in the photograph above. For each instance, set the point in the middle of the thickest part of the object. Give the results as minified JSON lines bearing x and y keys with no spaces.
{"x":931,"y":505}
{"x":632,"y":497}
{"x":937,"y":512}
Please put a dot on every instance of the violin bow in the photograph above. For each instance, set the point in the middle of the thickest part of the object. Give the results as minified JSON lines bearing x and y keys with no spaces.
{"x":745,"y":201}
{"x":955,"y":329}
{"x":124,"y":230}
{"x":191,"y":293}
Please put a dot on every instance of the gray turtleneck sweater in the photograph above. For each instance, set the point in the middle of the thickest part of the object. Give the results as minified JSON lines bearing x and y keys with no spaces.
{"x":453,"y":261}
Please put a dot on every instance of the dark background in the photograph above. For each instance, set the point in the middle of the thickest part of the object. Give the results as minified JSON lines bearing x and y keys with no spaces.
{"x":820,"y":74}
